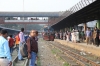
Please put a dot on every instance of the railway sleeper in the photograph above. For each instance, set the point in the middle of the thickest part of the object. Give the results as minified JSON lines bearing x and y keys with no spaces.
{"x":70,"y":61}
{"x":20,"y":63}
{"x":82,"y":58}
{"x":87,"y":62}
{"x":73,"y":58}
{"x":64,"y":52}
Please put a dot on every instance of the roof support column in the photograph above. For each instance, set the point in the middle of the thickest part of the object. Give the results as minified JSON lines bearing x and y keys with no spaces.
{"x":98,"y":24}
{"x":70,"y":28}
{"x":85,"y":27}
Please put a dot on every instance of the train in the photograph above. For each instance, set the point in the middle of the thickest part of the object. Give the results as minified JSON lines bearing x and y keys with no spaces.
{"x":48,"y":33}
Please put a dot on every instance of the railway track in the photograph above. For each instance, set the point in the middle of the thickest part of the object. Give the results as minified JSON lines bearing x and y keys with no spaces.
{"x":16,"y":62}
{"x":75,"y":55}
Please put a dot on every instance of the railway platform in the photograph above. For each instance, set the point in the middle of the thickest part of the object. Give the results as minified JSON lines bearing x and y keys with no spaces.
{"x":81,"y":46}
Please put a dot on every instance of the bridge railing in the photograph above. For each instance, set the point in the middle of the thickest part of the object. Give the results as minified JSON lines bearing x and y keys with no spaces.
{"x":75,"y":8}
{"x":26,"y":21}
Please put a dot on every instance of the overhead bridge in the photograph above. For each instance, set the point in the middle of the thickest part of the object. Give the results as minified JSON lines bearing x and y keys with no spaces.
{"x":29,"y":14}
{"x":27,"y":17}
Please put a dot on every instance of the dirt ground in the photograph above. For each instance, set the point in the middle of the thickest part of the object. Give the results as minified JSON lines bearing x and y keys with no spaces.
{"x":47,"y":58}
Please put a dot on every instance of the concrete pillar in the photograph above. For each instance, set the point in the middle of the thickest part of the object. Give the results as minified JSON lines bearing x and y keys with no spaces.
{"x":70,"y":29}
{"x":66,"y":29}
{"x":25,"y":18}
{"x":98,"y":24}
{"x":85,"y":27}
{"x":76,"y":27}
{"x":21,"y":18}
{"x":11,"y":18}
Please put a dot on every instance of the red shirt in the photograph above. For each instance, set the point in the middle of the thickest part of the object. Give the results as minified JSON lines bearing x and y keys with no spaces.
{"x":11,"y":42}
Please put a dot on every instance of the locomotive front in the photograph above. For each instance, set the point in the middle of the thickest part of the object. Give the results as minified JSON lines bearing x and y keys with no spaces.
{"x":48,"y":34}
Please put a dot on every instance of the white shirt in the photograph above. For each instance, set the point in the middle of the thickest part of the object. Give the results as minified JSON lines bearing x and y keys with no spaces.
{"x":21,"y":36}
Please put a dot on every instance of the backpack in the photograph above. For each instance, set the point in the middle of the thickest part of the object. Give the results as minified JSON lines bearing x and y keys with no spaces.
{"x":23,"y":49}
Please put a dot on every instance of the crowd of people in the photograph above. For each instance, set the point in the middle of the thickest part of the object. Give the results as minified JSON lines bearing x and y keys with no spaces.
{"x":89,"y":36}
{"x":10,"y":43}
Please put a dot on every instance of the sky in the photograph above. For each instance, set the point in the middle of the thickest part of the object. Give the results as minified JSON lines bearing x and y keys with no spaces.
{"x":37,"y":5}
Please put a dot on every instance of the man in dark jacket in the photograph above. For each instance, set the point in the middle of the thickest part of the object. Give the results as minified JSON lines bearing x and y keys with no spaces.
{"x":97,"y":40}
{"x":32,"y":47}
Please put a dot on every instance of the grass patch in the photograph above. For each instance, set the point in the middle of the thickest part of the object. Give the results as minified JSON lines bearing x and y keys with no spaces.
{"x":60,"y":58}
{"x":53,"y":51}
{"x":65,"y":64}
{"x":38,"y":62}
{"x":56,"y":51}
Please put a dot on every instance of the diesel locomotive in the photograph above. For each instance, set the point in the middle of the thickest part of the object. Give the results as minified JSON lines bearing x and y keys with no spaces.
{"x":48,"y":34}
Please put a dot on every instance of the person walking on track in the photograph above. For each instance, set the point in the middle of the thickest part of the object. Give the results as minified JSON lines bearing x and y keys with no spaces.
{"x":11,"y":44}
{"x":22,"y":40}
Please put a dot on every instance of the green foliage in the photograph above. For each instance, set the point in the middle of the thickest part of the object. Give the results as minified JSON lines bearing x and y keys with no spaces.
{"x":65,"y":64}
{"x":38,"y":62}
{"x":54,"y":50}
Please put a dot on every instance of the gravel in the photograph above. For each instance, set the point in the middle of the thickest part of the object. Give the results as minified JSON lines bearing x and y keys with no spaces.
{"x":47,"y":58}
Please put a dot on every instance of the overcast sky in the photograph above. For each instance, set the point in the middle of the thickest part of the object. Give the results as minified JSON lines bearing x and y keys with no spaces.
{"x":37,"y":5}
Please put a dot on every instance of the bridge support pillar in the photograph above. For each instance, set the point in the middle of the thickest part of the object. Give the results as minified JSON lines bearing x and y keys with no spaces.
{"x":65,"y":29}
{"x":76,"y":27}
{"x":98,"y":24}
{"x":70,"y":28}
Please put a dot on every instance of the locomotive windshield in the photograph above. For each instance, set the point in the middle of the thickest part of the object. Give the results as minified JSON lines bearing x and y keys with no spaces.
{"x":48,"y":29}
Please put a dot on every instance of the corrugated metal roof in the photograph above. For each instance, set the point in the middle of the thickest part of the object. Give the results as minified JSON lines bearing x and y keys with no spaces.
{"x":8,"y":28}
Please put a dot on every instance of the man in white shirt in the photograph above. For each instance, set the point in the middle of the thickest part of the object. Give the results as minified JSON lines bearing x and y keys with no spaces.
{"x":22,"y":40}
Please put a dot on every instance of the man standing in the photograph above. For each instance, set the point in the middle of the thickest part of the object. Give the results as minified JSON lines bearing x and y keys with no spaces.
{"x":22,"y":40}
{"x":96,"y":34}
{"x":61,"y":35}
{"x":32,"y":47}
{"x":88,"y":35}
{"x":5,"y":57}
{"x":11,"y":44}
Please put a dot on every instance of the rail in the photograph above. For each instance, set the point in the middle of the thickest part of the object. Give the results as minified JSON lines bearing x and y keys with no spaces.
{"x":75,"y":56}
{"x":16,"y":62}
